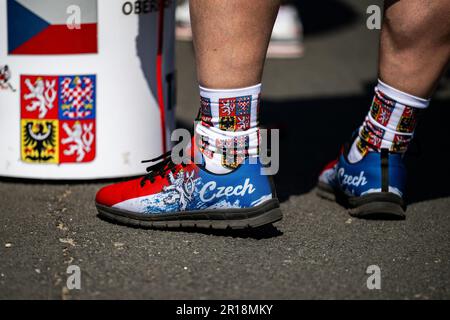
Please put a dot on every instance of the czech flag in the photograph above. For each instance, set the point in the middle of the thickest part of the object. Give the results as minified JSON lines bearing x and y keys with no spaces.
{"x":52,"y":26}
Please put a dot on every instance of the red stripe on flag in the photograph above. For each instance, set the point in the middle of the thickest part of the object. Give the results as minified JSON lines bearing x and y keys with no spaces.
{"x":58,"y":39}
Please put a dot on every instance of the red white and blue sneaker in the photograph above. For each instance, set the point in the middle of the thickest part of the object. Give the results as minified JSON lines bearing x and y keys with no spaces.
{"x":372,"y":188}
{"x":187,"y":195}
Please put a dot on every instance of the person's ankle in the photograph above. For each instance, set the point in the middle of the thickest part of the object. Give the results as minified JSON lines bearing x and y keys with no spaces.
{"x":228,"y":129}
{"x":390,"y":123}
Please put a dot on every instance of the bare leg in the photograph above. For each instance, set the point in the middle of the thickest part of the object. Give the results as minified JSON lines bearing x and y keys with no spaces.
{"x":415,"y":44}
{"x":230,"y":40}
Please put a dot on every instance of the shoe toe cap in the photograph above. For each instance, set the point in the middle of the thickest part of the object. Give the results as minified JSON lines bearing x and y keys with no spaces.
{"x":106,"y":196}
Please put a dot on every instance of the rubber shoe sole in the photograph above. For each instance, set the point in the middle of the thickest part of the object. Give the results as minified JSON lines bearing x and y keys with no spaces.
{"x":266,"y":213}
{"x":376,"y":206}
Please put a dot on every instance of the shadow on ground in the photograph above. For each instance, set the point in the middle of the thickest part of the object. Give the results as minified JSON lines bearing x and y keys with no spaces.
{"x":324,"y":16}
{"x":312,"y":131}
{"x":258,"y":233}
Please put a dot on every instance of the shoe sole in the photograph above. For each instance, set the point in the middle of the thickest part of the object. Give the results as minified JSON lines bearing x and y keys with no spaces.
{"x":266,"y":213}
{"x":377,"y":205}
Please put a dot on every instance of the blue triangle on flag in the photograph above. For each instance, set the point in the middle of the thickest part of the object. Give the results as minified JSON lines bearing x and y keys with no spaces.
{"x":23,"y":24}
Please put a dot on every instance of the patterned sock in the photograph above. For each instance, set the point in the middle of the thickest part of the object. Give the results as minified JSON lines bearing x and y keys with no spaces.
{"x":390,"y":123}
{"x":228,"y":132}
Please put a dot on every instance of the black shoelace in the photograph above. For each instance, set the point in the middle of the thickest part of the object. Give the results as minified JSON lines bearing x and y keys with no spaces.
{"x":163,"y":165}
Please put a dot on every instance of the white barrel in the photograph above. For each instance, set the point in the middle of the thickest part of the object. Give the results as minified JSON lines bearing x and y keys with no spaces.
{"x":86,"y":86}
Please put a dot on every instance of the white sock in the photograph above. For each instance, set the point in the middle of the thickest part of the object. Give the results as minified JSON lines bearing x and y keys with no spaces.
{"x":390,"y":123}
{"x":229,"y":126}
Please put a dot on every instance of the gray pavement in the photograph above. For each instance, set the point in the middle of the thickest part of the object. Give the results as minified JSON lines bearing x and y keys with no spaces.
{"x":316,"y":251}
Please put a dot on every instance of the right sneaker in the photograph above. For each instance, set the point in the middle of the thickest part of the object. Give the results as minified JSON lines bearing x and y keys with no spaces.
{"x":371,"y":188}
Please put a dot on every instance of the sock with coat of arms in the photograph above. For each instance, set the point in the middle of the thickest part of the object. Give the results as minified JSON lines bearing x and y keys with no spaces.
{"x":390,"y":123}
{"x":228,"y":131}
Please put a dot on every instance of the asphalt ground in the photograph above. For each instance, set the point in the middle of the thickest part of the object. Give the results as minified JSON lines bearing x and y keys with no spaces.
{"x":316,"y":252}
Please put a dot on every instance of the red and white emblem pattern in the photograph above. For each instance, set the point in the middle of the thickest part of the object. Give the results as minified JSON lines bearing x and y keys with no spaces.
{"x":63,"y":106}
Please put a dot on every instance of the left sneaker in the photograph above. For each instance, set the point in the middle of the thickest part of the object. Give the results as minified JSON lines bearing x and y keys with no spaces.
{"x":187,"y":195}
{"x":371,"y":188}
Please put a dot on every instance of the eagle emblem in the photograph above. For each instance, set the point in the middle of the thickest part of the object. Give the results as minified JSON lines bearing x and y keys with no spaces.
{"x":227,"y":123}
{"x":39,"y":143}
